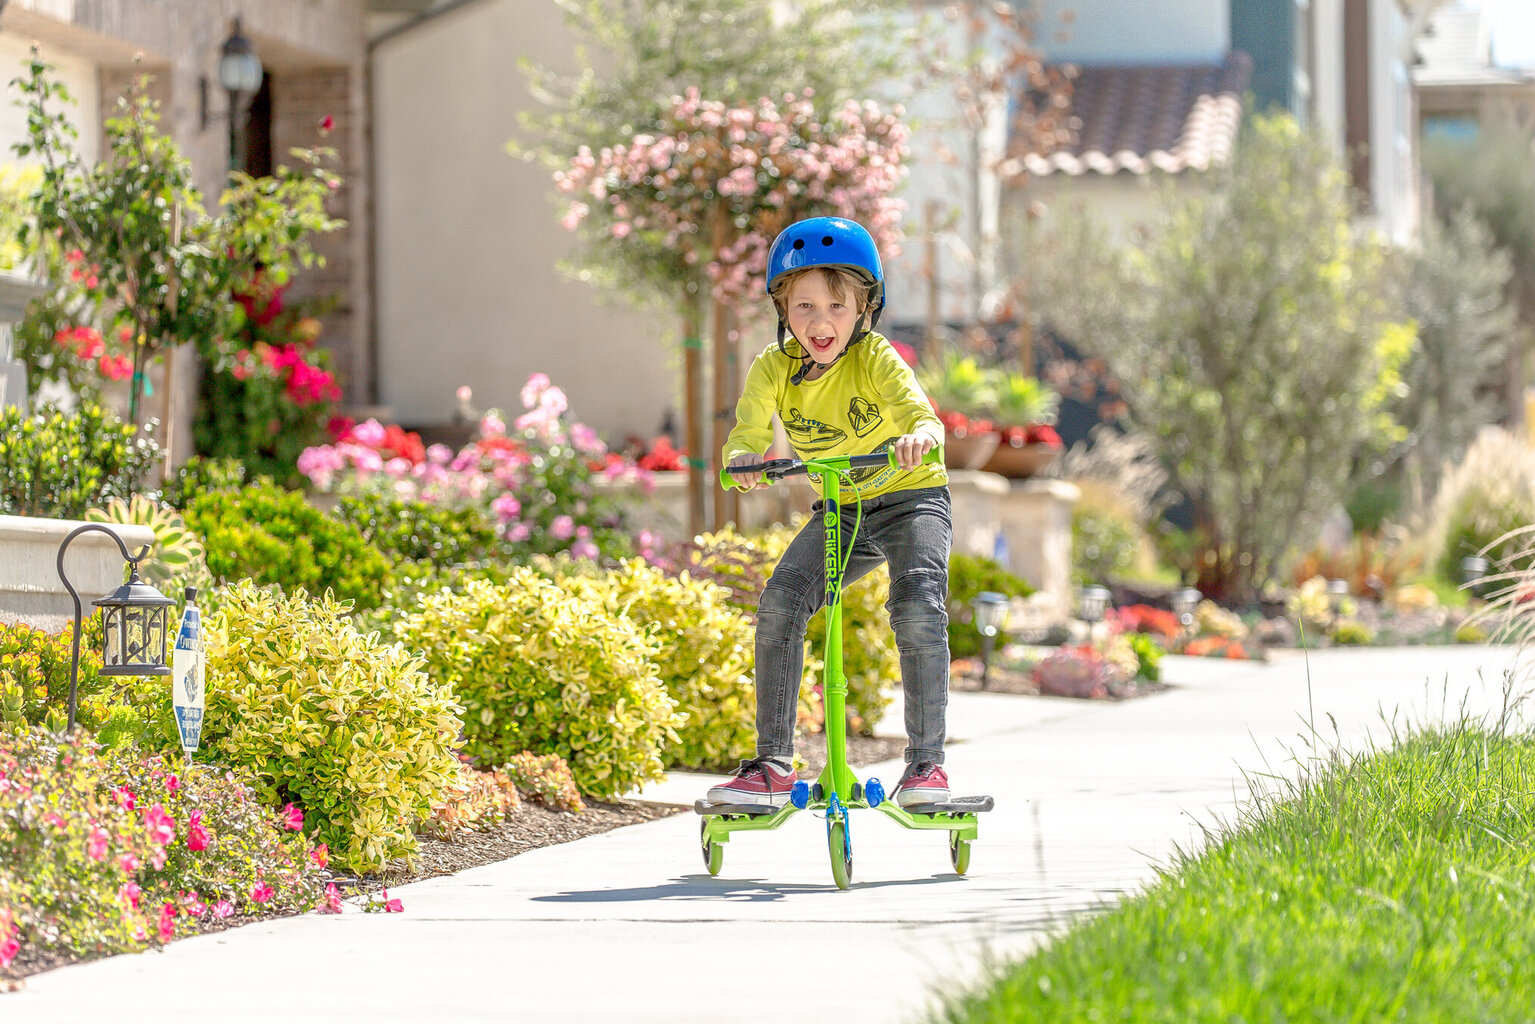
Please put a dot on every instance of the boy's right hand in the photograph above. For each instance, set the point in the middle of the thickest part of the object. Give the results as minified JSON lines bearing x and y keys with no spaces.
{"x":746,"y":481}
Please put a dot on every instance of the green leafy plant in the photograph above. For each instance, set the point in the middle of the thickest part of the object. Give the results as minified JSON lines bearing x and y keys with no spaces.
{"x":198,"y":475}
{"x":177,"y":552}
{"x":705,"y":656}
{"x":957,"y":382}
{"x":546,"y":779}
{"x":412,"y":530}
{"x":348,"y":728}
{"x":57,"y":464}
{"x":1213,"y":321}
{"x":34,"y":686}
{"x":1106,"y":541}
{"x":154,"y":268}
{"x":1019,"y":400}
{"x":539,"y":668}
{"x":264,"y":533}
{"x":1482,"y":501}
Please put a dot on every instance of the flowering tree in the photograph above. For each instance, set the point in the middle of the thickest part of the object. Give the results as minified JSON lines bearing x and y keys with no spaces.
{"x":694,"y":201}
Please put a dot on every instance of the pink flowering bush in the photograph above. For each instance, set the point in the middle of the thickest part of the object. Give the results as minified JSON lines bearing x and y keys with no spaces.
{"x":534,"y":476}
{"x":107,"y":851}
{"x":707,"y":186}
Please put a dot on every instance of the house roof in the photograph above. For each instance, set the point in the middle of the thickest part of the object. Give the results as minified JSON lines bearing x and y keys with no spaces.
{"x":1455,"y":49}
{"x":1144,"y":118}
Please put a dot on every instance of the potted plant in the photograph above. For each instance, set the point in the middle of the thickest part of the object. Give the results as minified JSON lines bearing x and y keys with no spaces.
{"x":961,"y":391}
{"x":1026,"y":410}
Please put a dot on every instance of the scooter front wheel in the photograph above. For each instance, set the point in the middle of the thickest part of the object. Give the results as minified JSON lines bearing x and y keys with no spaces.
{"x":841,"y":853}
{"x":714,"y":853}
{"x":959,"y":853}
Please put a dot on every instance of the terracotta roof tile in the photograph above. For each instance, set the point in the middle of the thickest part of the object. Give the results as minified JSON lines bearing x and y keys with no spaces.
{"x":1144,"y":118}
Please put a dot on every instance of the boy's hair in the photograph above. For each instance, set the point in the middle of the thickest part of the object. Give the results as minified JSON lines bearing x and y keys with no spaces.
{"x":839,"y":282}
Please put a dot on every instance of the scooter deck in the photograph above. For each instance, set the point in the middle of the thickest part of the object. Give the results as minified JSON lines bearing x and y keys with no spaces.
{"x":751,"y":810}
{"x":953,"y":805}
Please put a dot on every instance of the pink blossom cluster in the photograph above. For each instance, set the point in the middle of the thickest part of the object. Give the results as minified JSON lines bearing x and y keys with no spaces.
{"x":493,"y":470}
{"x":303,"y":382}
{"x":769,"y":164}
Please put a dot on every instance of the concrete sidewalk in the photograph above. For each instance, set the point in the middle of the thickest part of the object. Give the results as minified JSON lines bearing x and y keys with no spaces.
{"x":1091,"y":797}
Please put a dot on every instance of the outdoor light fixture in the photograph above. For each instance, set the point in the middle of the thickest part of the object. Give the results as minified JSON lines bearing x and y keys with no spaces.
{"x":1184,"y":600}
{"x":991,"y":611}
{"x":1337,"y":590}
{"x":240,"y":74}
{"x":1472,"y":569}
{"x":133,"y":617}
{"x":1092,"y":602}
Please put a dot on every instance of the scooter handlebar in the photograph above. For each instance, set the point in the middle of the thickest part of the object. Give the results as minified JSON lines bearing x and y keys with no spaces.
{"x":777,"y":469}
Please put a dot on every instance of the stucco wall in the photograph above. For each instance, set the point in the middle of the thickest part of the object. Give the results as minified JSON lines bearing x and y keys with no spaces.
{"x":468,"y":289}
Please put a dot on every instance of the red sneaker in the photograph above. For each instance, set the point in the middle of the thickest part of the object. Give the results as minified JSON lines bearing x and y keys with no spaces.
{"x":923,"y":783}
{"x":763,"y":781}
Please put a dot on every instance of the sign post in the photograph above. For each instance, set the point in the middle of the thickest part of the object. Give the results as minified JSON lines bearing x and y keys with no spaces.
{"x":188,"y":690}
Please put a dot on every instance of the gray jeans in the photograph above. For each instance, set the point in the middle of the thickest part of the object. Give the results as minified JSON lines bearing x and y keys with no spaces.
{"x":912,"y":531}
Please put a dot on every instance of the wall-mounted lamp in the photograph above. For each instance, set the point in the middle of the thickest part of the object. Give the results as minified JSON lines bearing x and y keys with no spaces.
{"x":240,"y":74}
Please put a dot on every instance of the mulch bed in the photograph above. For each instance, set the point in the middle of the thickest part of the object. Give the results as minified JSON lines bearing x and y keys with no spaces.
{"x":965,"y":677}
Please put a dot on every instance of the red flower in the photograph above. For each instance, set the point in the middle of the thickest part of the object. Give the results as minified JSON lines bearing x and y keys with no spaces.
{"x":327,"y":124}
{"x":1043,"y":433}
{"x":906,"y":352}
{"x":292,"y":817}
{"x":197,"y":836}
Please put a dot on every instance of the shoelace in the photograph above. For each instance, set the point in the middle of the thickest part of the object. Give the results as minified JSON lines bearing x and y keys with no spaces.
{"x":753,"y":767}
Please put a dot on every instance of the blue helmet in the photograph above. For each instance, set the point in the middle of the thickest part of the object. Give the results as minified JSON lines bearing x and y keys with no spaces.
{"x":828,"y":242}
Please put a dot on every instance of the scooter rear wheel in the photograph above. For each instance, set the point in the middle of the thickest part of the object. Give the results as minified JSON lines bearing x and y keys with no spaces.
{"x":959,"y":853}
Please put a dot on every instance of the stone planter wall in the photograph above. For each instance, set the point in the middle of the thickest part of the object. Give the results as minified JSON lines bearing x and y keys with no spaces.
{"x":30,"y":588}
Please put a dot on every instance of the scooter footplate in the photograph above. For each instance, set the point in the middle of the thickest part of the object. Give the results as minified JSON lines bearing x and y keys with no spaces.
{"x":752,"y":810}
{"x":954,"y":805}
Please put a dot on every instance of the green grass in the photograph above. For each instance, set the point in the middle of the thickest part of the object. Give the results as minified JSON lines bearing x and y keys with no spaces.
{"x":1395,"y":886}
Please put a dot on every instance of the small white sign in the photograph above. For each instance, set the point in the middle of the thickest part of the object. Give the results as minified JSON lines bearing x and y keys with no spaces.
{"x":188,"y":693}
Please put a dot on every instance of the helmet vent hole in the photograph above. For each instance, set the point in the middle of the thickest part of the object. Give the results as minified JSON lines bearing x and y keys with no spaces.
{"x":799,"y":243}
{"x":825,"y":239}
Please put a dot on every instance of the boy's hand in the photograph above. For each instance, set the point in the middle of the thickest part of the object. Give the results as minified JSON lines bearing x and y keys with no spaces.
{"x":909,"y":449}
{"x":746,"y":481}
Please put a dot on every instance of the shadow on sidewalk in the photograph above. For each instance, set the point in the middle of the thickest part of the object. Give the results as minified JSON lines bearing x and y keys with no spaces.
{"x":703,"y":887}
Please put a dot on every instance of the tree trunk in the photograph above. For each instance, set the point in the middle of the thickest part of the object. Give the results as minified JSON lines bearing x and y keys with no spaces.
{"x":692,"y":369}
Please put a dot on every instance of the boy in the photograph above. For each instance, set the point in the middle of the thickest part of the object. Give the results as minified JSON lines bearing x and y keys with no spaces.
{"x":840,"y":388}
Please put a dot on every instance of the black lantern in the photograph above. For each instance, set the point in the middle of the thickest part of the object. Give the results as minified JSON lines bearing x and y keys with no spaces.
{"x":240,"y":74}
{"x":1337,"y":592}
{"x":134,"y":617}
{"x":990,"y":617}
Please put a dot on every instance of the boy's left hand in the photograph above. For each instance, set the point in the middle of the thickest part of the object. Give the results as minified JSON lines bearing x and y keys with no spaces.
{"x":909,"y":449}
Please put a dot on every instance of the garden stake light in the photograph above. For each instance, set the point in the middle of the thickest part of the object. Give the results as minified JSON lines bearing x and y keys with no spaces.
{"x":1472,"y":570}
{"x":133,"y":619}
{"x":1337,"y":590}
{"x":1184,"y":600}
{"x":991,"y":611}
{"x":1092,"y":602}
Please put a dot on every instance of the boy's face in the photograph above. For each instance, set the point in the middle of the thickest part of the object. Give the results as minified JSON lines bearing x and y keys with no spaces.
{"x":820,"y":321}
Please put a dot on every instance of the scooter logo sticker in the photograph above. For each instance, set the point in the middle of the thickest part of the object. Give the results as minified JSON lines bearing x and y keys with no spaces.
{"x":809,"y":436}
{"x":863,"y":415}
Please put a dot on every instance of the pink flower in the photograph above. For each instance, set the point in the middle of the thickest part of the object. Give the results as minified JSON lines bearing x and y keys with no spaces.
{"x":157,"y":858}
{"x":392,"y":906}
{"x":195,"y":906}
{"x":292,"y":817}
{"x":128,"y":894}
{"x":162,"y":827}
{"x":584,"y":549}
{"x":96,"y":846}
{"x":222,"y":909}
{"x":8,"y":950}
{"x":261,"y":892}
{"x":563,"y":528}
{"x":320,"y":855}
{"x":519,"y":532}
{"x":332,"y":902}
{"x":197,"y":836}
{"x":124,"y":797}
{"x":128,"y":863}
{"x":506,"y":507}
{"x":172,"y":783}
{"x":166,"y":925}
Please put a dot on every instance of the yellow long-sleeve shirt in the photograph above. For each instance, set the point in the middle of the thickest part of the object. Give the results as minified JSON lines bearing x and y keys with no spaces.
{"x":865,"y":401}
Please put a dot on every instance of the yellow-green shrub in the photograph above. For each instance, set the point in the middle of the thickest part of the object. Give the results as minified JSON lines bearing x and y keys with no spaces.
{"x":545,"y":779}
{"x":705,"y":659}
{"x":537,"y":667}
{"x":350,"y":729}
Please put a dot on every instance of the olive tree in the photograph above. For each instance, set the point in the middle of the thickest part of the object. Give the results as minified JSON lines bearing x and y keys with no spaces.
{"x":1249,"y":328}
